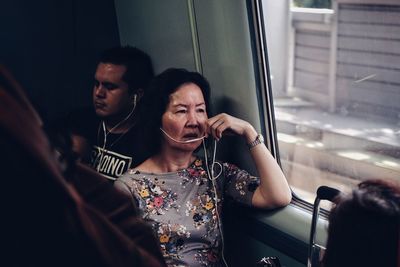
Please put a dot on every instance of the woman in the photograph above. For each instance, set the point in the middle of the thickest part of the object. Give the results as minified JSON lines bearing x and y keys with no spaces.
{"x":177,"y":190}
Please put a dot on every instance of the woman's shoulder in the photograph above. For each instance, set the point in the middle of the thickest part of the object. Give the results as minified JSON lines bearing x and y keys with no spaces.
{"x":131,"y":179}
{"x":129,"y":175}
{"x":137,"y":173}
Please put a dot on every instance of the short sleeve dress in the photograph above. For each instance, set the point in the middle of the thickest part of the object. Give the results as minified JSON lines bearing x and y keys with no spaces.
{"x":183,"y":208}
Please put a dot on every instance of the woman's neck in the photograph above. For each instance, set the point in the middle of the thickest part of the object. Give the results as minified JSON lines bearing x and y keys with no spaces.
{"x":167,"y":162}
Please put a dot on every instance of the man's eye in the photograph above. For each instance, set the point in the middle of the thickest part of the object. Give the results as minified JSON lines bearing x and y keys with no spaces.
{"x":181,"y":111}
{"x":110,"y":86}
{"x":201,"y":110}
{"x":96,"y":84}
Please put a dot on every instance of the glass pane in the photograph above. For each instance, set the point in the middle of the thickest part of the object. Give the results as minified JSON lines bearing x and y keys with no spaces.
{"x":337,"y":96}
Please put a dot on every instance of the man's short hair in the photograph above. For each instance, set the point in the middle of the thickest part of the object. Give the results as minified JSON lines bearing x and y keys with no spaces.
{"x":139,"y":69}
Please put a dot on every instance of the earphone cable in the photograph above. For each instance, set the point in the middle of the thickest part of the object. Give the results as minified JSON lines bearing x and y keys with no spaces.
{"x":106,"y":133}
{"x":212,"y":178}
{"x":119,"y":123}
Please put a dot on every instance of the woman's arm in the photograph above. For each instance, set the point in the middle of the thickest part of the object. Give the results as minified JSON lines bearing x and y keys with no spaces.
{"x":273,"y":190}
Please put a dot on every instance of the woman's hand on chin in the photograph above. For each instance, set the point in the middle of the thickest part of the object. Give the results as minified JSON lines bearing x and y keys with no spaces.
{"x":224,"y":124}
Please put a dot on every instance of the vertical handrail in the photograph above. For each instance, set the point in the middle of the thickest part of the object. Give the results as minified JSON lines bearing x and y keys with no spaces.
{"x":195,"y":36}
{"x":313,"y":231}
{"x":323,"y":193}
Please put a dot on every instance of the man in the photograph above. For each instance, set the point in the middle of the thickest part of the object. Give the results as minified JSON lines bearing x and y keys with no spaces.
{"x":76,"y":217}
{"x":109,"y":140}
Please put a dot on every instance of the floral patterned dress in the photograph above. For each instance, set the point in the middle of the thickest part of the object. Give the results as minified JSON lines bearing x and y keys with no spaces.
{"x":182,"y":209}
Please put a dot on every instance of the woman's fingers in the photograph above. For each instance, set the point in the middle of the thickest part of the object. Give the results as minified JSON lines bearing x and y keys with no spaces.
{"x":225,"y":124}
{"x":216,"y":127}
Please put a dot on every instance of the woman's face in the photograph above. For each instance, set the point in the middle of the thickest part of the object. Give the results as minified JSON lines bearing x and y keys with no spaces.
{"x":185,"y":117}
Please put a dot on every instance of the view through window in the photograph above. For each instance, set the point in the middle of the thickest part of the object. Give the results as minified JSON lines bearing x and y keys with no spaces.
{"x":335,"y":76}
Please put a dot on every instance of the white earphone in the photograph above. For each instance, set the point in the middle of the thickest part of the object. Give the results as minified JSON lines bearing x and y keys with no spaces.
{"x":106,"y":133}
{"x":134,"y":100}
{"x":211,"y":175}
{"x":180,"y":141}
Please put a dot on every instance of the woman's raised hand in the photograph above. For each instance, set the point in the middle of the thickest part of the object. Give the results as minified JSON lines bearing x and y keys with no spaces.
{"x":224,"y":124}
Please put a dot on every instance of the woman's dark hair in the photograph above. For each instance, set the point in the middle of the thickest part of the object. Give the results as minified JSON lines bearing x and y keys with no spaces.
{"x":364,"y":227}
{"x":156,"y":100}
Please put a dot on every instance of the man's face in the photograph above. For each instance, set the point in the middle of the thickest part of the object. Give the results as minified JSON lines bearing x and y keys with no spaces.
{"x":111,"y":95}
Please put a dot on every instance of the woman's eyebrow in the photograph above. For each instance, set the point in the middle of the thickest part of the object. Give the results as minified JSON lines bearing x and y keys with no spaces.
{"x":179,"y":105}
{"x":185,"y":106}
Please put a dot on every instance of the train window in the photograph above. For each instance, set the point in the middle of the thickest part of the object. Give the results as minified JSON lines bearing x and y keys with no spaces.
{"x":335,"y":75}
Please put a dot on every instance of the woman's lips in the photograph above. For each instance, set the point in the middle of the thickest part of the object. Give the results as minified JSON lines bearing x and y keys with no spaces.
{"x":191,"y":135}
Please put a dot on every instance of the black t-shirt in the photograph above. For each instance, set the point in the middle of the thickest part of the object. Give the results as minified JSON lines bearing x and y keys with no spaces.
{"x":120,"y":151}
